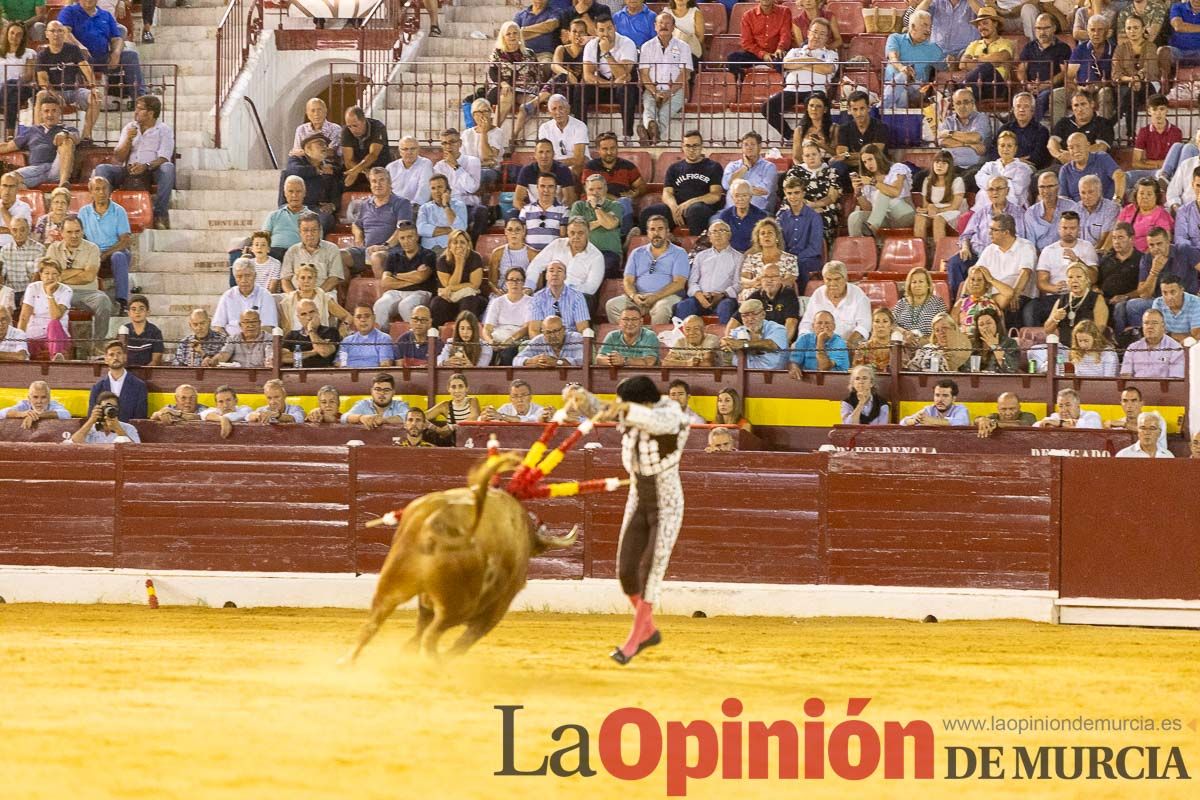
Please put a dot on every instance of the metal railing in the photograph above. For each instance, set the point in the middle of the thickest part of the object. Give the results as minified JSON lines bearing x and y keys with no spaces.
{"x":424,"y":100}
{"x":237,"y":33}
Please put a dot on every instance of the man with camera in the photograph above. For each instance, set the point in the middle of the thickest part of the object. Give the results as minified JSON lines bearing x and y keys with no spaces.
{"x":103,"y":425}
{"x":129,"y":389}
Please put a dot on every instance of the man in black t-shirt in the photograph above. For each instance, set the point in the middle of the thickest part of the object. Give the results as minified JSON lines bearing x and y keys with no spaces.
{"x":409,"y":279}
{"x":849,"y":139}
{"x":61,"y":67}
{"x":1085,"y":120}
{"x":590,"y":11}
{"x":780,"y":303}
{"x":543,"y":164}
{"x":691,"y":189}
{"x":364,"y":145}
{"x":1118,"y":274}
{"x":317,"y":342}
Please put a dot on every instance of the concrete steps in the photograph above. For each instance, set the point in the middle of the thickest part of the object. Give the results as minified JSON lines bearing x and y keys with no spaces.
{"x":224,"y":200}
{"x":231,"y":180}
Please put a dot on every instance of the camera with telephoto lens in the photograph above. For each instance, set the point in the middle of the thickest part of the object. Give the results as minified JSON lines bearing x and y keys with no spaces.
{"x":109,"y":412}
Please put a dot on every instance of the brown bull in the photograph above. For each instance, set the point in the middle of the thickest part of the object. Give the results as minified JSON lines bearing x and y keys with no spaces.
{"x":463,"y":553}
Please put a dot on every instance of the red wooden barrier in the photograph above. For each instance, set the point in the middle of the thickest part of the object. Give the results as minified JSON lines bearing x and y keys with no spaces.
{"x":1005,"y":441}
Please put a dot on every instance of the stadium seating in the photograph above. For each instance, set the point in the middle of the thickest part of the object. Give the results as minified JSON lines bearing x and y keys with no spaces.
{"x":760,"y":83}
{"x":882,"y":294}
{"x":848,"y":16}
{"x":945,"y":249}
{"x":489,"y":242}
{"x":362,"y":291}
{"x":902,"y":254}
{"x":716,"y":18}
{"x":857,"y":252}
{"x":137,"y":206}
{"x":714,"y":91}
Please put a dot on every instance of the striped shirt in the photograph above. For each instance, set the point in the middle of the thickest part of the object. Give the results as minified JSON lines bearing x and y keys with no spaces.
{"x":570,"y":306}
{"x":20,"y":262}
{"x":543,"y":225}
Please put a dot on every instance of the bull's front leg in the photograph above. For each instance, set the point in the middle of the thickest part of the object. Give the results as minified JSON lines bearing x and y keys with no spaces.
{"x":424,"y":617}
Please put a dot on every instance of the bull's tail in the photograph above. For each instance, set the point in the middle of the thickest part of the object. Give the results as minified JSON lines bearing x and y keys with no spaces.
{"x":480,"y":479}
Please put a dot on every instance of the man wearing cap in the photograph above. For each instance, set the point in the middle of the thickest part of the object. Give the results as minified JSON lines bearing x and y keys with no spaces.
{"x":764,"y":343}
{"x":322,"y":184}
{"x":654,"y":430}
{"x":988,"y":58}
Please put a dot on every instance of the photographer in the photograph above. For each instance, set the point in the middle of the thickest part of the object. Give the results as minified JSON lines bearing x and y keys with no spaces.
{"x":102,"y":426}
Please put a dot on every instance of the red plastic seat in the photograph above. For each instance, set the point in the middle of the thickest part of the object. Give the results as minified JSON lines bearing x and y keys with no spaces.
{"x":612,"y":287}
{"x":714,"y":91}
{"x":718,"y":48}
{"x":868,"y":45}
{"x":347,"y":199}
{"x":882,"y":294}
{"x":642,"y":160}
{"x":342,"y":240}
{"x":37,"y":202}
{"x":902,"y":255}
{"x":942,"y":290}
{"x":14,"y":159}
{"x":397,"y":329}
{"x":664,"y":162}
{"x":944,"y":250}
{"x":758,"y":86}
{"x":137,"y":205}
{"x":856,"y":252}
{"x":362,"y":291}
{"x":489,"y":242}
{"x":716,"y":18}
{"x":848,"y":16}
{"x":1030,"y":337}
{"x":735,"y":17}
{"x":88,"y":158}
{"x":634,"y":242}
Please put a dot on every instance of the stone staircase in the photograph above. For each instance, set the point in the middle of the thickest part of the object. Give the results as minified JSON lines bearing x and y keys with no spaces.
{"x":187,"y":266}
{"x":453,"y":58}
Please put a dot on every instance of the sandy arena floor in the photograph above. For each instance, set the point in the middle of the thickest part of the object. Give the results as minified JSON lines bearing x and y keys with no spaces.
{"x":124,"y":702}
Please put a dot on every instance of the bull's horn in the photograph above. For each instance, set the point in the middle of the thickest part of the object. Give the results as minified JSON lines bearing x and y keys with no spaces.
{"x":554,"y":542}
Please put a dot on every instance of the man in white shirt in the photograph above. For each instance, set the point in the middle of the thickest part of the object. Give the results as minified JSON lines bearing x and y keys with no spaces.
{"x":663,"y":65}
{"x":227,"y":411}
{"x":1010,"y":260}
{"x":463,"y":172}
{"x":806,"y":69}
{"x":245,"y":296}
{"x":584,"y":262}
{"x":11,"y":207}
{"x":146,"y":150}
{"x":609,"y":63}
{"x":850,"y":306}
{"x":519,"y":408}
{"x":411,"y":172}
{"x":1179,"y":190}
{"x":1054,"y":260}
{"x":1068,"y":414}
{"x":1150,"y":441}
{"x":13,"y":344}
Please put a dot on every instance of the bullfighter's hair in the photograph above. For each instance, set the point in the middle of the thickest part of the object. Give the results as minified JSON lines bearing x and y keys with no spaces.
{"x":638,"y":389}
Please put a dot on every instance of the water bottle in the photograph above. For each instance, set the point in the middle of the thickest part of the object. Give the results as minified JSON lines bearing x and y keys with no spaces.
{"x":343,"y":358}
{"x":297,"y":358}
{"x":469,"y":442}
{"x":935,"y":363}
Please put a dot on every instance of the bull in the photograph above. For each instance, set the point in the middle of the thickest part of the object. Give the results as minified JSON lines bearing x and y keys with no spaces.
{"x":464,"y":554}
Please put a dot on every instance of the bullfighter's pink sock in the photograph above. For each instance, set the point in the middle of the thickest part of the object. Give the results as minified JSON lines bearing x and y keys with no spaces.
{"x":643,"y":627}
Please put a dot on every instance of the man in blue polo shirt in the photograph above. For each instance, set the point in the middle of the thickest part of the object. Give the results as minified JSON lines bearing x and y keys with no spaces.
{"x":539,"y":28}
{"x":51,"y":146}
{"x":367,"y":346}
{"x":106,"y":225}
{"x":911,"y":59}
{"x":635,"y":21}
{"x":1183,"y":45}
{"x":375,"y":218}
{"x":655,"y":276}
{"x":95,"y":30}
{"x":762,"y":342}
{"x":820,"y":349}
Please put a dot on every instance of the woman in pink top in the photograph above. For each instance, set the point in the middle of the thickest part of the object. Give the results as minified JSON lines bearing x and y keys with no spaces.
{"x":1146,"y":212}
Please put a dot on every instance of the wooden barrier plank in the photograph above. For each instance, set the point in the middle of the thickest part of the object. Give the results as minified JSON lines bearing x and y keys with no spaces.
{"x":949,"y":520}
{"x":1120,"y":540}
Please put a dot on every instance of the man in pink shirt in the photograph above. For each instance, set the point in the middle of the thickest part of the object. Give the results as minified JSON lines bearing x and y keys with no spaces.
{"x":766,"y":36}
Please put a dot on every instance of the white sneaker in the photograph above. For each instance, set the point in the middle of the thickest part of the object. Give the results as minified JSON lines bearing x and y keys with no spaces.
{"x":479,"y":35}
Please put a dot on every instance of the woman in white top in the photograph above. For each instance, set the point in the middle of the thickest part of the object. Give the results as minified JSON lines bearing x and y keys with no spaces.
{"x":1018,"y":173}
{"x":44,"y":310}
{"x":506,"y":321}
{"x":944,"y":193}
{"x":316,"y":114}
{"x":883,"y":192}
{"x":466,"y":347}
{"x":17,"y":58}
{"x":1092,"y":354}
{"x":328,"y":308}
{"x":690,"y":27}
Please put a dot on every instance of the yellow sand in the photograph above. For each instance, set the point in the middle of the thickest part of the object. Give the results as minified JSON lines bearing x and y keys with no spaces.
{"x":124,"y":702}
